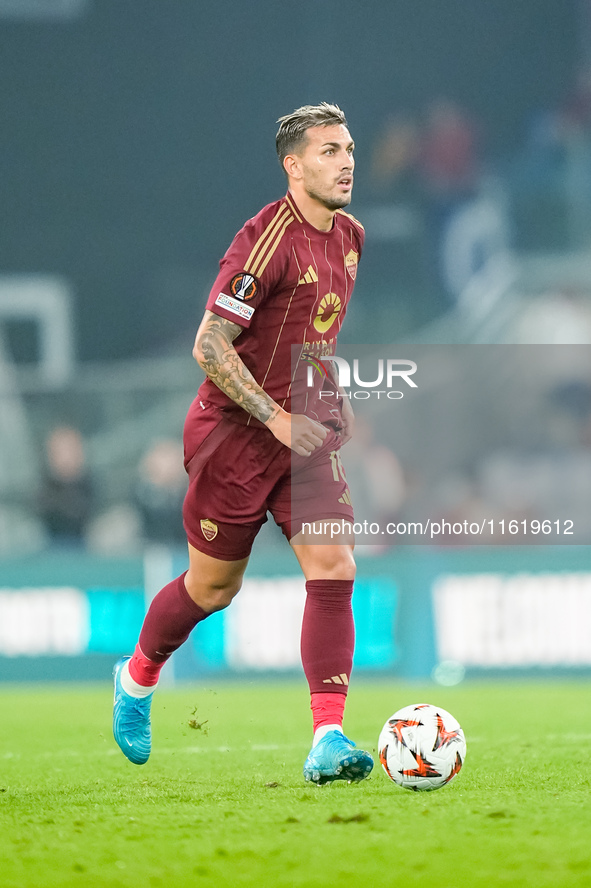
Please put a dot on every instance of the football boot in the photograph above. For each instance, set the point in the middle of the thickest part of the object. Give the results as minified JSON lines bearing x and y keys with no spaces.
{"x":131,"y":720}
{"x":335,"y":757}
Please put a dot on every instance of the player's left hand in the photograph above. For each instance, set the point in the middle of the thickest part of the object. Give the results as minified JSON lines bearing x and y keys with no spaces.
{"x":348,"y":418}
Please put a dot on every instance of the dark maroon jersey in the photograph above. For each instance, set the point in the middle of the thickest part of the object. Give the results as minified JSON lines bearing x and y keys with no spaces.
{"x":287,"y":284}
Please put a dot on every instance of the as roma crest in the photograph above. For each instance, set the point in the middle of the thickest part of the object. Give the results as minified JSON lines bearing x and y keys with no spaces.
{"x":351,"y":260}
{"x":209,"y":529}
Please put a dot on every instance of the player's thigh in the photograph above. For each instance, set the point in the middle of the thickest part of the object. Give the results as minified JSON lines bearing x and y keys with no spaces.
{"x":226,"y":500}
{"x":314,"y":493}
{"x":212,"y":582}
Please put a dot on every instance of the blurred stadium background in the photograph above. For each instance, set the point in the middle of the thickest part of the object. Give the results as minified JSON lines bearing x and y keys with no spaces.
{"x":137,"y":137}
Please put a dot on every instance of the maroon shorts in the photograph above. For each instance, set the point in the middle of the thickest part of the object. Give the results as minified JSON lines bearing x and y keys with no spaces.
{"x":238,"y":473}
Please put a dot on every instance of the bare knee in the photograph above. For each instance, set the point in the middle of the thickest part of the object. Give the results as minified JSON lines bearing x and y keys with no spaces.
{"x":326,"y":562}
{"x":213,"y":595}
{"x":339,"y":566}
{"x":211,"y":582}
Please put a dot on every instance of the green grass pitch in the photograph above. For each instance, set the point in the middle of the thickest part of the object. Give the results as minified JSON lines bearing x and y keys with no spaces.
{"x":222,"y":801}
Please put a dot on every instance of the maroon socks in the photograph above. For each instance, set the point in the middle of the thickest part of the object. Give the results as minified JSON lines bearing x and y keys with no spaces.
{"x":168,"y":623}
{"x":328,"y":641}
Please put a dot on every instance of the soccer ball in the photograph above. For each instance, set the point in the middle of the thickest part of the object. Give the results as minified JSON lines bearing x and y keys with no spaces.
{"x":422,"y":747}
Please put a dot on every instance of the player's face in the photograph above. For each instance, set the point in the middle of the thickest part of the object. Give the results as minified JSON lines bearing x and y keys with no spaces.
{"x":326,"y":164}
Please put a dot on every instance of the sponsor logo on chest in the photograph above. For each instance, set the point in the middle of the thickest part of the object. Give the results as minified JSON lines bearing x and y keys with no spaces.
{"x":327,"y":312}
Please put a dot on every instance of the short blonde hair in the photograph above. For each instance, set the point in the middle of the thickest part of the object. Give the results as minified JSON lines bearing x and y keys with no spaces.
{"x":291,"y":134}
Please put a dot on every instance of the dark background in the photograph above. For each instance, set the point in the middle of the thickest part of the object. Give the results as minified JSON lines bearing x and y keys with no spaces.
{"x":137,"y":138}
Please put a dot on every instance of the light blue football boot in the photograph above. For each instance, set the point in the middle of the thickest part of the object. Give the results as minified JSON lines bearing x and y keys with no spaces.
{"x":335,"y":757}
{"x":131,"y":720}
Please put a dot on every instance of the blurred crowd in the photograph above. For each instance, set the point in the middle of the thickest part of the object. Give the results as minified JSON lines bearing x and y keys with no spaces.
{"x":499,"y":434}
{"x":437,"y":206}
{"x":441,"y":201}
{"x":73,"y":513}
{"x":456,"y":453}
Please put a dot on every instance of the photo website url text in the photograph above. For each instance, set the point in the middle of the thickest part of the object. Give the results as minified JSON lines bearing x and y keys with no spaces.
{"x":432,"y":529}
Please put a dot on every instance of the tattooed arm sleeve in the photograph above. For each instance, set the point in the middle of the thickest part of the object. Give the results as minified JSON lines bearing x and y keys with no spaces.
{"x":216,"y":355}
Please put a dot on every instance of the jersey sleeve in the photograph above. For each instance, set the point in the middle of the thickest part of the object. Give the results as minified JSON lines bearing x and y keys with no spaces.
{"x":250,"y":270}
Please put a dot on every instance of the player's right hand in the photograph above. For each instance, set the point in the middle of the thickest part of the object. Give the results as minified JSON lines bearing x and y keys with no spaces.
{"x":297,"y":431}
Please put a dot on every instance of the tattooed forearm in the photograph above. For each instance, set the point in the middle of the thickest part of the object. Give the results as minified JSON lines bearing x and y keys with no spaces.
{"x":217,"y":356}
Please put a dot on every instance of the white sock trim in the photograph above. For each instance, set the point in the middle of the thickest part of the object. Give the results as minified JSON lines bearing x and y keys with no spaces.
{"x":131,"y":687}
{"x":322,"y":731}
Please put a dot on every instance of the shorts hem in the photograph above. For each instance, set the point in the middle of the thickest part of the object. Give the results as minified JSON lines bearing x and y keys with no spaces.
{"x":205,"y":547}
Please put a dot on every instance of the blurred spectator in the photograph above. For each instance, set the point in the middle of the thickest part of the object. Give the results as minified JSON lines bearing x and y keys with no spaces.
{"x":160,"y":492}
{"x":537,"y":183}
{"x":395,"y":153}
{"x":577,"y":137}
{"x":448,"y":159}
{"x":577,"y":108}
{"x":449,"y":170}
{"x":65,"y":500}
{"x":551,"y":175}
{"x":541,"y":162}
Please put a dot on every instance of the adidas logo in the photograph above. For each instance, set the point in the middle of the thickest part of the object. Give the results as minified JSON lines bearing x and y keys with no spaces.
{"x":346,"y":498}
{"x":341,"y":679}
{"x":310,"y":277}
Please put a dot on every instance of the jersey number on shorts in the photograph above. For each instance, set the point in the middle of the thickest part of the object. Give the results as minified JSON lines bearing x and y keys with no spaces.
{"x":338,"y":473}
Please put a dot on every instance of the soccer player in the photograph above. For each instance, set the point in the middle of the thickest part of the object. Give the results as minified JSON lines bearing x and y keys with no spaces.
{"x":285,"y":281}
